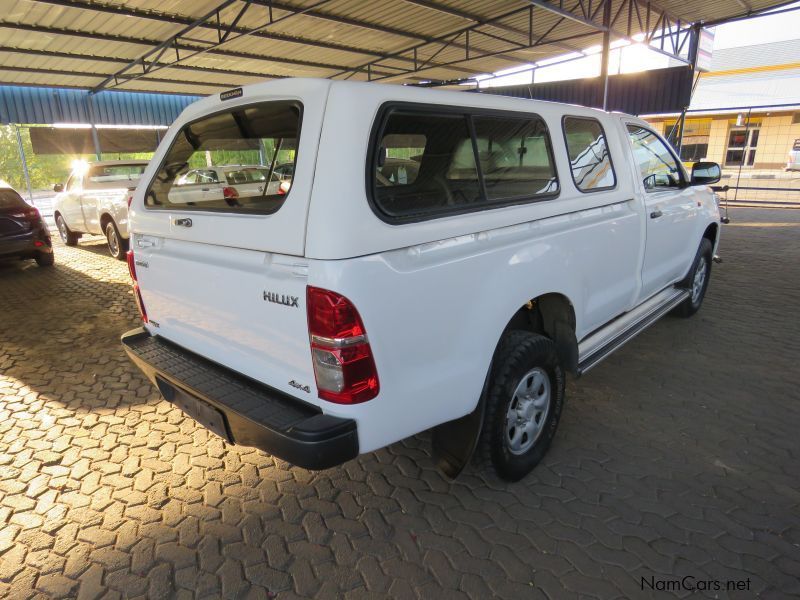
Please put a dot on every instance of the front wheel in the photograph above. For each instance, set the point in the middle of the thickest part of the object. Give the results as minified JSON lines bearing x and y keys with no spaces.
{"x":117,"y":247}
{"x":524,"y":401}
{"x":697,"y":281}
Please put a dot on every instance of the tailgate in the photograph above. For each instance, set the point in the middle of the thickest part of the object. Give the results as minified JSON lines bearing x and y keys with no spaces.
{"x":243,"y":309}
{"x":223,"y":275}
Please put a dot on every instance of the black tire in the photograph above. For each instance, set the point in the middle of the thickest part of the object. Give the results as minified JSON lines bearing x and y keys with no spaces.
{"x":519,"y":354}
{"x":117,"y":246}
{"x":67,"y":236}
{"x":45,"y":259}
{"x":702,"y":260}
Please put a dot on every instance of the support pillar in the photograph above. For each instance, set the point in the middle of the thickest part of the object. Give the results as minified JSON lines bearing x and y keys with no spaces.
{"x":24,"y":163}
{"x":694,"y":46}
{"x":606,"y":52}
{"x":681,"y":125}
{"x":95,"y":137}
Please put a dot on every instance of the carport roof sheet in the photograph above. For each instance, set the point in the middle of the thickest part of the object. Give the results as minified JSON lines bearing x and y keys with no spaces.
{"x":81,"y":43}
{"x":21,"y":104}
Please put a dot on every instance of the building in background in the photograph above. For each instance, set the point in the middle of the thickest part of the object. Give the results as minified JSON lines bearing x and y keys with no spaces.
{"x":745,"y":111}
{"x":745,"y":115}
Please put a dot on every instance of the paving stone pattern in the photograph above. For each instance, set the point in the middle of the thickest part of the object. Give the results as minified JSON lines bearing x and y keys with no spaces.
{"x":677,"y":456}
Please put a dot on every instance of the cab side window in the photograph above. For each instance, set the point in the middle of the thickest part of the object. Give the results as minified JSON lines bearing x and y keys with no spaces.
{"x":657,"y":165}
{"x":589,"y":159}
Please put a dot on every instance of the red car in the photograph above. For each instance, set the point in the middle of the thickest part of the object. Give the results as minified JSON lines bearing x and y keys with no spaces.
{"x":23,"y":233}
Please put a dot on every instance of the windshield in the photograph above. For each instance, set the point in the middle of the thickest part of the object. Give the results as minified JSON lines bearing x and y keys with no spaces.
{"x":226,"y":161}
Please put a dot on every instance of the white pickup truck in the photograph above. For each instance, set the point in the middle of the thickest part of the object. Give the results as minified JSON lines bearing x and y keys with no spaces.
{"x":95,"y":200}
{"x":441,"y":261}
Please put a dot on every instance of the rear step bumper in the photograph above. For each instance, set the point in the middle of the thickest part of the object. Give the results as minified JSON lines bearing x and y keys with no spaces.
{"x":241,"y":410}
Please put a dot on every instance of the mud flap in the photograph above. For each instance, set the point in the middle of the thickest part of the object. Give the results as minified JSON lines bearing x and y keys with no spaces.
{"x":453,"y":443}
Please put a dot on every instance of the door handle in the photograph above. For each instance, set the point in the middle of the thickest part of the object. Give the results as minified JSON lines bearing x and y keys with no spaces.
{"x":183,"y":222}
{"x":205,"y":189}
{"x":656,"y":213}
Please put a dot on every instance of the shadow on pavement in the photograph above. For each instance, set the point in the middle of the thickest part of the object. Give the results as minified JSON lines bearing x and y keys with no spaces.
{"x":60,"y":328}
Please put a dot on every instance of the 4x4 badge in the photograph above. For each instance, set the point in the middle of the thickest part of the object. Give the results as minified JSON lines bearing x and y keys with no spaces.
{"x":281,"y":299}
{"x":300,"y":386}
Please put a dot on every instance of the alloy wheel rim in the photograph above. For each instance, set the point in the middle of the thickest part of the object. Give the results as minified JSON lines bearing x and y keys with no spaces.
{"x":113,"y":242}
{"x":527,"y":411}
{"x":62,"y":229}
{"x":699,"y":280}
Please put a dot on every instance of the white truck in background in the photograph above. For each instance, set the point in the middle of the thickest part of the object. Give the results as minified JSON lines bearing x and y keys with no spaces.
{"x":95,"y":200}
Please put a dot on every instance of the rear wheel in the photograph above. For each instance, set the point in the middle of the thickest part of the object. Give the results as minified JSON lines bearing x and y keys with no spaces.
{"x":68,"y":237}
{"x":45,"y":259}
{"x":117,"y":247}
{"x":523,"y":405}
{"x":697,"y":281}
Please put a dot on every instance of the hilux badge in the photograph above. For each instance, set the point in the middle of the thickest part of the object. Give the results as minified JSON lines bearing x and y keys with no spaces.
{"x":281,"y":299}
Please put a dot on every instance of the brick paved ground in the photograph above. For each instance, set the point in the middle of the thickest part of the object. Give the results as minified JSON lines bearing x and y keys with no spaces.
{"x":678,"y":456}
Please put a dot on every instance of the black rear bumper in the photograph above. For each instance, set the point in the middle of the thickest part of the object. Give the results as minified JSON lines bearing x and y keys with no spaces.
{"x":24,"y":245}
{"x":241,"y":410}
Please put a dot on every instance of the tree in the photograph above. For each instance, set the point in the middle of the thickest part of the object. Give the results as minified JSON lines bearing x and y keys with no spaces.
{"x":44,"y":169}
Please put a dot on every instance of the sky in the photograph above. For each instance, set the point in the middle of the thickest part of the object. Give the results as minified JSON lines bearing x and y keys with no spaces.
{"x":629,"y":58}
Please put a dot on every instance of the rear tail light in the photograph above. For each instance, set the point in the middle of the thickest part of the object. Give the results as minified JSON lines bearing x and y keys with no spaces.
{"x":231,"y":195}
{"x":137,"y":294}
{"x":283,"y":188}
{"x":343,"y":364}
{"x":130,"y":196}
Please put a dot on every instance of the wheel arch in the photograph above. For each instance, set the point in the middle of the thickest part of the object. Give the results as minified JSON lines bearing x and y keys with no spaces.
{"x":711,"y":233}
{"x":105,"y":219}
{"x":551,"y":314}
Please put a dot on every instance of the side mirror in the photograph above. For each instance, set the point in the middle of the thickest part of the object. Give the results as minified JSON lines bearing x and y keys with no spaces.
{"x":705,"y":173}
{"x":59,"y":187}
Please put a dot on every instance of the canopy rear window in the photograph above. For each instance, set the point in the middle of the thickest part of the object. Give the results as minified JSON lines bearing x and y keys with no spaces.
{"x":246,"y":142}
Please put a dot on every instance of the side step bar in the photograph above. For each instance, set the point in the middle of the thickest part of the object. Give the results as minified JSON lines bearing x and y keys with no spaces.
{"x":621,"y":330}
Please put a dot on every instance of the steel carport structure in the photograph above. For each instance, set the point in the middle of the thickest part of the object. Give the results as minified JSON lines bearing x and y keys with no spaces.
{"x":208,"y":45}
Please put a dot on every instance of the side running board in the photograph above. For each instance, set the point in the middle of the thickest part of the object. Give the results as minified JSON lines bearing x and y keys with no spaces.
{"x":624,"y":328}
